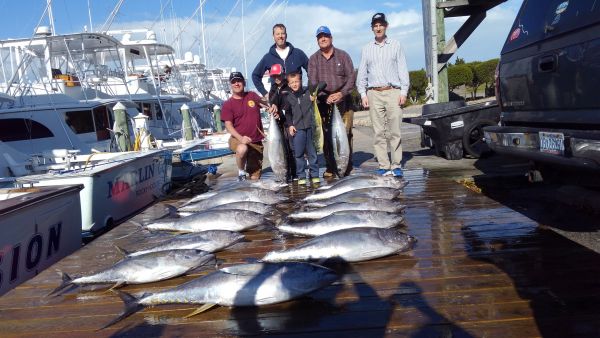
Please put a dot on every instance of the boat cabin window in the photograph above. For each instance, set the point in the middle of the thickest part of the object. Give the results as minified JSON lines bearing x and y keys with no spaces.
{"x":80,"y":121}
{"x":146,"y":109}
{"x":159,"y":113}
{"x":22,"y":129}
{"x":103,"y":121}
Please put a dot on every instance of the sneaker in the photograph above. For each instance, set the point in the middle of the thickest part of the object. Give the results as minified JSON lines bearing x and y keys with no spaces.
{"x":241,"y":178}
{"x":302,"y":181}
{"x":383,"y":172}
{"x":397,"y":172}
{"x":315,"y":180}
{"x":327,"y":174}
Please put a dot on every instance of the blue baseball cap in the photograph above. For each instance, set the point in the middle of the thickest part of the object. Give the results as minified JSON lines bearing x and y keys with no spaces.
{"x":323,"y":30}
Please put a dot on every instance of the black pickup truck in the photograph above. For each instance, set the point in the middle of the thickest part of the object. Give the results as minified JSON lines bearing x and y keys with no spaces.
{"x":548,"y":88}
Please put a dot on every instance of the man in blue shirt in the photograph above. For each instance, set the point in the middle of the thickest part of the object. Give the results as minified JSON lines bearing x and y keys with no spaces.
{"x":383,"y":82}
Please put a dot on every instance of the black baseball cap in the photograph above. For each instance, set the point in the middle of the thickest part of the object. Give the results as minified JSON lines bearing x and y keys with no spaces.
{"x":379,"y":17}
{"x":236,"y":76}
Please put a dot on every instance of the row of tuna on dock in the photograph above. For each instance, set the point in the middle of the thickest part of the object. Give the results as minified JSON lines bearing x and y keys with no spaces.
{"x":357,"y":218}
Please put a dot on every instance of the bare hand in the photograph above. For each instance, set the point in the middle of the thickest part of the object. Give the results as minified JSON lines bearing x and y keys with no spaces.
{"x":402,"y":100}
{"x":273,"y":111}
{"x":265,"y":97}
{"x":246,"y":140}
{"x":292,"y":130}
{"x":365,"y":102}
{"x":334,"y":98}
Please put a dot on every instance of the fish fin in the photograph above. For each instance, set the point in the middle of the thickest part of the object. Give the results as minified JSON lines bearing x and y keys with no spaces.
{"x":112,"y":288}
{"x":122,"y":251}
{"x":66,"y":281}
{"x":140,"y":227}
{"x":172,"y":211}
{"x":201,"y":309}
{"x":131,"y":304}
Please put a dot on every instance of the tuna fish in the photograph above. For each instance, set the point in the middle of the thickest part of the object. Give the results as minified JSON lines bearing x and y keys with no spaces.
{"x":343,"y":220}
{"x":250,"y":194}
{"x":350,"y":245}
{"x":232,"y":220}
{"x":243,"y":185}
{"x":341,"y":146}
{"x":146,"y":268}
{"x":276,"y":151}
{"x":358,"y":196}
{"x":239,"y":285}
{"x":257,"y":207}
{"x":377,"y":205}
{"x":350,"y":185}
{"x":209,"y":241}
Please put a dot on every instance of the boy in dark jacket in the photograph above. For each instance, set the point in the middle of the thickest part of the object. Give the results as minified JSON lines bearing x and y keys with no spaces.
{"x":298,"y":106}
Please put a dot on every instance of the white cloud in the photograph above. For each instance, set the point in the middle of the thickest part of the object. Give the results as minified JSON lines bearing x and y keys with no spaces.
{"x":392,"y":4}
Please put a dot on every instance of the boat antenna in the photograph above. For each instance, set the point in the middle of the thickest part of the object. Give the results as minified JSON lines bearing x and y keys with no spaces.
{"x":90,"y":16}
{"x":106,"y":26}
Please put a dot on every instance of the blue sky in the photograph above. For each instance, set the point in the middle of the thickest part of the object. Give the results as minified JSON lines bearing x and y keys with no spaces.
{"x":348,"y":20}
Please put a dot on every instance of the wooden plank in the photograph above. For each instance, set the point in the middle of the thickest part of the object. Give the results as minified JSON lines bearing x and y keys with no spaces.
{"x":479,"y":269}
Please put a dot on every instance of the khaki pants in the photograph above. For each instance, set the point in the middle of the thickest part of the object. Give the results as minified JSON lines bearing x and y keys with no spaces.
{"x":386,"y":116}
{"x":254,"y":157}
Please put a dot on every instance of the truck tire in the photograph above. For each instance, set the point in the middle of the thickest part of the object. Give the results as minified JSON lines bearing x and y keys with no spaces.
{"x":473,"y":142}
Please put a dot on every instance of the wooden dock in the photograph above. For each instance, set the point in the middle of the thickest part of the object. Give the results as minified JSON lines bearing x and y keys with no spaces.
{"x":479,"y":269}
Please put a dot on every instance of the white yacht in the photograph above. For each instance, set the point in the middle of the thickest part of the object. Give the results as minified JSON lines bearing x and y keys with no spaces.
{"x":60,"y":125}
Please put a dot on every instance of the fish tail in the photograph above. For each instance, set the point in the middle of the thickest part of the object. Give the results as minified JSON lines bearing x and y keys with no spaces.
{"x":66,"y":282}
{"x":131,"y":305}
{"x":172,"y":210}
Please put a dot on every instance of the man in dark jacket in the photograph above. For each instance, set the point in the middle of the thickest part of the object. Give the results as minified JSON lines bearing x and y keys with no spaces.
{"x":283,"y":53}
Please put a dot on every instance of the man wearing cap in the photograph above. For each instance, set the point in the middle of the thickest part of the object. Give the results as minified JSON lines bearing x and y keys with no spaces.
{"x":383,"y":82}
{"x":334,"y":67}
{"x":281,"y":52}
{"x":241,"y":113}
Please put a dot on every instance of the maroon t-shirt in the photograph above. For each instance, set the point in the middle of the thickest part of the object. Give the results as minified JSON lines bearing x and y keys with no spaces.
{"x":244,"y":113}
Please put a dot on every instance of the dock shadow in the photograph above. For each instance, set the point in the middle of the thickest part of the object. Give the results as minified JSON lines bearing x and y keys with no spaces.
{"x":436,"y":324}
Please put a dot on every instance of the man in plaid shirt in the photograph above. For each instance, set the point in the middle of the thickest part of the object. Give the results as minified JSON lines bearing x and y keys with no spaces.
{"x":334,"y":67}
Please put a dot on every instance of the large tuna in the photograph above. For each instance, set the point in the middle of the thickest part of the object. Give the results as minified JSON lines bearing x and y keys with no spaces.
{"x":249,"y":194}
{"x":209,"y":241}
{"x":276,"y":151}
{"x":252,"y":284}
{"x":146,"y":268}
{"x":340,"y":144}
{"x":232,"y":220}
{"x":343,"y":220}
{"x":350,"y":245}
{"x":351,"y":185}
{"x":239,"y":186}
{"x":373,"y":205}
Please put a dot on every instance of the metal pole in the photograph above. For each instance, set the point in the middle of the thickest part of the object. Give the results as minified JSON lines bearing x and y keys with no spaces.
{"x":203,"y":39}
{"x":244,"y":42}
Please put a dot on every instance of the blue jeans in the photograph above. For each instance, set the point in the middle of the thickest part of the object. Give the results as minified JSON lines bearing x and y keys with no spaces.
{"x":303,"y":143}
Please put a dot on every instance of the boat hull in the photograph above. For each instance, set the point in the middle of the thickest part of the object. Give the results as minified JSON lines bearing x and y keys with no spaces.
{"x":38,"y":227}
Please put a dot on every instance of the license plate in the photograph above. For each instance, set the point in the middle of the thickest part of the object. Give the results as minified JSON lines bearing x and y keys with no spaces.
{"x":552,"y":143}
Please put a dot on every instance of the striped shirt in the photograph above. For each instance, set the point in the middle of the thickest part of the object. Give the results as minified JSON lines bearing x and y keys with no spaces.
{"x":337,"y":71}
{"x":382,"y":65}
